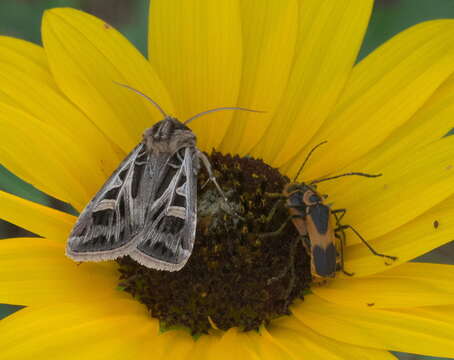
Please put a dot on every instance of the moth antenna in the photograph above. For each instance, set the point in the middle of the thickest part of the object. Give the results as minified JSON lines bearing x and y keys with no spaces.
{"x":145,"y":96}
{"x":346,"y":174}
{"x":219,"y":109}
{"x":307,"y":158}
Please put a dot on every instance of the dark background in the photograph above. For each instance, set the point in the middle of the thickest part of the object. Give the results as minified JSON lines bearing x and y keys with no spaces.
{"x":22,"y":18}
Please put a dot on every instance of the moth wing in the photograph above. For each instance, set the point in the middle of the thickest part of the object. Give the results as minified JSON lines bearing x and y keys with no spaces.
{"x":167,"y":239}
{"x":106,"y":227}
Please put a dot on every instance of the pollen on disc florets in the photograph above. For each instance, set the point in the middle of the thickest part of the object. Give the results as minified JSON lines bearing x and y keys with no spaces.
{"x":238,"y":274}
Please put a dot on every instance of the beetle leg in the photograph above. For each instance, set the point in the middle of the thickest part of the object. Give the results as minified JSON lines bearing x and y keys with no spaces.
{"x":273,"y":210}
{"x":342,"y":245}
{"x":274,"y":195}
{"x":292,"y":279}
{"x":276,"y":232}
{"x":338,"y":218}
{"x":372,"y":250}
{"x":289,"y":268}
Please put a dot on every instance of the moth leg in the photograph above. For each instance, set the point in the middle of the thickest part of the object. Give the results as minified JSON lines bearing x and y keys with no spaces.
{"x":211,"y":177}
{"x":372,"y":250}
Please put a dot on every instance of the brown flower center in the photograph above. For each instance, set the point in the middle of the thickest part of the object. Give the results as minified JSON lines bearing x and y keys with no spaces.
{"x":242,"y":272}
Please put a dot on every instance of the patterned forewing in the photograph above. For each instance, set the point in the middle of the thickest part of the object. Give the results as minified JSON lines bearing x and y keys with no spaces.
{"x":167,"y":238}
{"x":106,"y":227}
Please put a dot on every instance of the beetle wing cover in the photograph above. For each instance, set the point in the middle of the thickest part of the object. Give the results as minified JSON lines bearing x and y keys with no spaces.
{"x":321,"y":234}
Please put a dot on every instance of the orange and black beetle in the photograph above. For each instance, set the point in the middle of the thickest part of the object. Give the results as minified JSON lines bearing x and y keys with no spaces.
{"x":319,"y":225}
{"x":313,"y":221}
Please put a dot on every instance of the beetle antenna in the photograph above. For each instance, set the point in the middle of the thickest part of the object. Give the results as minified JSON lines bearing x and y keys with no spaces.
{"x":145,"y":96}
{"x":219,"y":109}
{"x":307,"y":158}
{"x":346,"y":174}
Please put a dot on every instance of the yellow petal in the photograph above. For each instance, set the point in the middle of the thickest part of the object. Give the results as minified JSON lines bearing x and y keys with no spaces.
{"x":429,"y":123}
{"x":39,"y":219}
{"x":270,"y":350}
{"x":405,"y":286}
{"x":329,"y":37}
{"x":236,"y":344}
{"x":203,"y":349}
{"x":299,"y":341}
{"x":174,"y":344}
{"x":27,"y":57}
{"x":36,"y":272}
{"x":384,"y":91}
{"x":28,"y":89}
{"x":269,"y":28}
{"x":428,"y":231}
{"x":412,"y":183}
{"x":110,"y":330}
{"x":86,"y":57}
{"x":24,"y":88}
{"x":46,"y":158}
{"x":195,"y":47}
{"x":426,"y":330}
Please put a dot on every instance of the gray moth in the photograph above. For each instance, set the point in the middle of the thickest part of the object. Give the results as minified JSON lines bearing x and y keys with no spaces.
{"x":147,"y":209}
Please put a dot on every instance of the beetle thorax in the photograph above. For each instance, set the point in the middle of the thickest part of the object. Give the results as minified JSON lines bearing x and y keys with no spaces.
{"x":310,"y":197}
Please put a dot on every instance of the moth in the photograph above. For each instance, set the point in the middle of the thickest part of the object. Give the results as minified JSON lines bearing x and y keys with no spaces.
{"x":147,"y":209}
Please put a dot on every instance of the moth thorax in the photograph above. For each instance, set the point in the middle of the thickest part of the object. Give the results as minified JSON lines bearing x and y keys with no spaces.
{"x":177,"y":139}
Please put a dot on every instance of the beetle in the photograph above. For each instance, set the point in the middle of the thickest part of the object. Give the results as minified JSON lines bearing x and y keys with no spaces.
{"x":313,"y":222}
{"x":323,"y":238}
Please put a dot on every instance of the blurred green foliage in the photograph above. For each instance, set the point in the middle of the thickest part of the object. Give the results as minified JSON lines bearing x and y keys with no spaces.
{"x":22,"y":18}
{"x":392,"y":16}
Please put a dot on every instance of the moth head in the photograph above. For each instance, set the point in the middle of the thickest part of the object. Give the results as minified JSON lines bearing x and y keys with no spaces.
{"x":168,"y":135}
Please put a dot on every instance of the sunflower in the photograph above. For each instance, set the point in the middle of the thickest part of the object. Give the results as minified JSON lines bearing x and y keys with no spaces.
{"x":65,"y":126}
